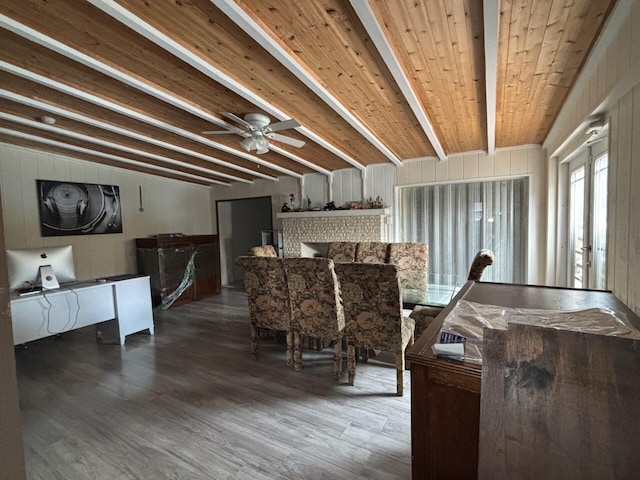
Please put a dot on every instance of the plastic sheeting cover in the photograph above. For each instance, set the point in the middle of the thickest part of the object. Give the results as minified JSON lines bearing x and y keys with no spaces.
{"x":468,"y":319}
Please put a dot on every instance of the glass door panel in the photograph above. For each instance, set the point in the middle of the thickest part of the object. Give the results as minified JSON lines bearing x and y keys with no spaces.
{"x":598,"y":278}
{"x":576,"y":219}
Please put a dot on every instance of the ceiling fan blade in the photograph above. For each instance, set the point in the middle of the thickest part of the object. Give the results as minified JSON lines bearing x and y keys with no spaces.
{"x":275,"y":127}
{"x":241,"y":121}
{"x":294,"y":142}
{"x":218,"y":132}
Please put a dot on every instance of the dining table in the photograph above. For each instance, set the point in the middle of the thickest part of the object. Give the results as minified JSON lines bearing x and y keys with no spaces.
{"x":440,"y":289}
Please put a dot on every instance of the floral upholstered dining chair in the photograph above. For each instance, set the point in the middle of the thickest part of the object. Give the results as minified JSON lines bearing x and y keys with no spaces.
{"x":316,"y":308}
{"x":425,"y":315}
{"x":411,"y":259}
{"x":372,"y":252}
{"x":268,"y":297}
{"x":263,"y":251}
{"x":341,"y":252}
{"x":480,"y":262}
{"x":373,"y":309}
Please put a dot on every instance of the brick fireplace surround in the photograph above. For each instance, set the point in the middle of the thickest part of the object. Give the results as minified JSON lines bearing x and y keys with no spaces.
{"x":305,"y":234}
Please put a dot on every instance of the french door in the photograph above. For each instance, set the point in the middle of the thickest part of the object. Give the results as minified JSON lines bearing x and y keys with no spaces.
{"x":588,"y":179}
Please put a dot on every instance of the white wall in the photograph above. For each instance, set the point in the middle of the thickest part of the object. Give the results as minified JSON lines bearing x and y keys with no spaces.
{"x":169,"y":206}
{"x":609,"y":86}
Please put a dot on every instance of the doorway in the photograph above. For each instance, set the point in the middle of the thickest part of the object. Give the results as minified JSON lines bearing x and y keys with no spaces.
{"x":240,"y":226}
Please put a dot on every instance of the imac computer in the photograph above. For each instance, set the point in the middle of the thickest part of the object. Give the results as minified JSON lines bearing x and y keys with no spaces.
{"x":45,"y":267}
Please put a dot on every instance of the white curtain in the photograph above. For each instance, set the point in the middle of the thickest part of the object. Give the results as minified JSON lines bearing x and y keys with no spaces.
{"x":457,"y":220}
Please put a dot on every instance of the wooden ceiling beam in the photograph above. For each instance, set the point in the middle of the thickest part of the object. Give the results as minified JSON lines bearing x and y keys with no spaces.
{"x":96,"y":100}
{"x":491,"y":11}
{"x":121,"y":160}
{"x":14,"y":141}
{"x":370,"y":21}
{"x":119,"y":75}
{"x":97,"y":139}
{"x":154,"y":35}
{"x":154,"y":75}
{"x":122,"y":131}
{"x":35,"y":92}
{"x":91,"y":62}
{"x":273,"y":46}
{"x":115,"y":146}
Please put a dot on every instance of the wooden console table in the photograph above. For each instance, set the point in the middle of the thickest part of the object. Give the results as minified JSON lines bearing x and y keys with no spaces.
{"x":165,"y":260}
{"x":445,"y":394}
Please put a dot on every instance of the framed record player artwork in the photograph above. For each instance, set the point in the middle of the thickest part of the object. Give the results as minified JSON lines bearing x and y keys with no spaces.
{"x":68,"y":208}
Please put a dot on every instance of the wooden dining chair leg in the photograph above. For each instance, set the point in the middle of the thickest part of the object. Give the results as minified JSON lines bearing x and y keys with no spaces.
{"x":290,"y":353}
{"x":297,"y":351}
{"x":337,"y":359}
{"x":364,"y":354}
{"x":351,"y":360}
{"x":400,"y":374}
{"x":255,"y":340}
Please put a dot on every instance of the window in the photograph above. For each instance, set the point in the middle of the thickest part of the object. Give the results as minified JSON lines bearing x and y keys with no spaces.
{"x":457,"y":220}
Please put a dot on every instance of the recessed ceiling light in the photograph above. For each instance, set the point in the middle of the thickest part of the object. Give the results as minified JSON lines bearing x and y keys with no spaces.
{"x":47,"y":119}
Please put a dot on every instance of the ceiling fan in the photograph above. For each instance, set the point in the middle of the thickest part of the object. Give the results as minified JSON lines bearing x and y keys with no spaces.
{"x":258,"y":130}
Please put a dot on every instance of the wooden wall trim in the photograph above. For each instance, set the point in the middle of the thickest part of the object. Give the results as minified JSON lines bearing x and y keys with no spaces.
{"x":11,"y":449}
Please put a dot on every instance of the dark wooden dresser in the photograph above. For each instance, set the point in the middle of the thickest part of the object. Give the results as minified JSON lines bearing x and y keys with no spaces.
{"x":445,"y":394}
{"x":165,"y":260}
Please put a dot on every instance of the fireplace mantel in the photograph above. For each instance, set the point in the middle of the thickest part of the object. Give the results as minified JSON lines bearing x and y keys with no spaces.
{"x":335,"y":213}
{"x":305,"y":232}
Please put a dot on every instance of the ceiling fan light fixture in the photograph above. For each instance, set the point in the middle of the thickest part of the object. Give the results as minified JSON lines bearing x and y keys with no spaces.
{"x":248,"y":144}
{"x":258,"y":131}
{"x":262,"y":145}
{"x":256,"y":142}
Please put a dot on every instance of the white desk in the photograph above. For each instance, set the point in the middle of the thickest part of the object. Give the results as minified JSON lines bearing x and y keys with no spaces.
{"x":118,"y":308}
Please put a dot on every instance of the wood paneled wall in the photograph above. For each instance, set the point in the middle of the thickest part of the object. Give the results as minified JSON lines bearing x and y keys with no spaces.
{"x":623,"y":239}
{"x":278,"y":190}
{"x":346,"y":187}
{"x":381,"y":180}
{"x":169,"y":206}
{"x":609,"y":86}
{"x":613,"y":68}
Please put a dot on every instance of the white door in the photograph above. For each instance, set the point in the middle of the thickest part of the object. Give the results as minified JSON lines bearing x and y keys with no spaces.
{"x":588,"y":177}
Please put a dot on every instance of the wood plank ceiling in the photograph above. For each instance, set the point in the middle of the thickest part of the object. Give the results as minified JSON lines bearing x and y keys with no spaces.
{"x":135,"y":83}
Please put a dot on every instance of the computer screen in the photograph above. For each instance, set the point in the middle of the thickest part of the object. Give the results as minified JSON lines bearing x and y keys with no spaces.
{"x":24,"y":264}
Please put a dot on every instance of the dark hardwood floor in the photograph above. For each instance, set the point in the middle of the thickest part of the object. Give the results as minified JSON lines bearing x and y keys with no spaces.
{"x":191,"y":403}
